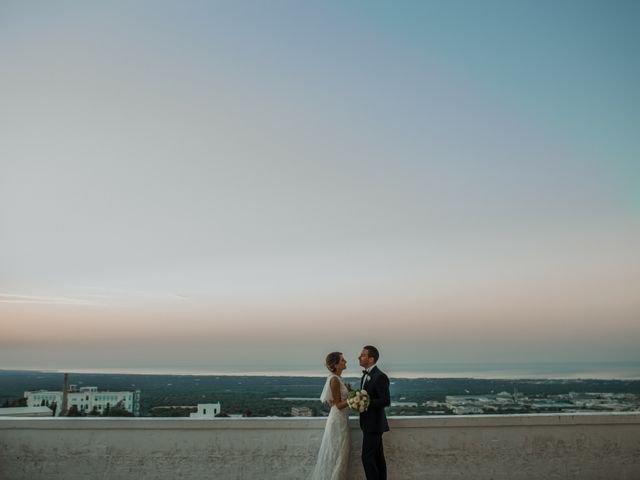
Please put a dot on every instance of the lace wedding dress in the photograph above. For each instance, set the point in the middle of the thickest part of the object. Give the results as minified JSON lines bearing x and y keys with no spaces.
{"x":333,"y":457}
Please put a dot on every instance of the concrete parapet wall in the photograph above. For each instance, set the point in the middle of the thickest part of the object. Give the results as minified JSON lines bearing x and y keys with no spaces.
{"x":561,"y":446}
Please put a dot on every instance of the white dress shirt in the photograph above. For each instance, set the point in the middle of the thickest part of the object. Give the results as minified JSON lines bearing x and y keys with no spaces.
{"x":367,"y":377}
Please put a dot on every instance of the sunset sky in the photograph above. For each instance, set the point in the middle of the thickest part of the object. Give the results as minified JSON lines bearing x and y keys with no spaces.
{"x":249,"y":184}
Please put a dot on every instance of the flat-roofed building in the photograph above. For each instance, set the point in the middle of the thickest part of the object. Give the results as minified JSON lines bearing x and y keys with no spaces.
{"x":86,"y":399}
{"x":206,"y":410}
{"x":301,"y":412}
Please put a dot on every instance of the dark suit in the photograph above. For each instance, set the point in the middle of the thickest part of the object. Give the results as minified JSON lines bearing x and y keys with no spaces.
{"x":373,"y":423}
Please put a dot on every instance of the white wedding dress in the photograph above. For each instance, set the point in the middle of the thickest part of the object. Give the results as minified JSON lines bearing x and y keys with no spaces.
{"x":333,"y":457}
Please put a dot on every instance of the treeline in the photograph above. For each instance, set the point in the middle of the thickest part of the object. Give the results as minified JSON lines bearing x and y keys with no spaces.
{"x":420,"y":390}
{"x":264,"y":396}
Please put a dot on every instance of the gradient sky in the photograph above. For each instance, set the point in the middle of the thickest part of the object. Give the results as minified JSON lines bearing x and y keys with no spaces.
{"x":253,"y":184}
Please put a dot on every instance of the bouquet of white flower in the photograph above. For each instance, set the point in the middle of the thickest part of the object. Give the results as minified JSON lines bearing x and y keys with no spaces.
{"x":358,"y":400}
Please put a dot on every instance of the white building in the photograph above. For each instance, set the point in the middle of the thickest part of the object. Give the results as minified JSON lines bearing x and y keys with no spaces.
{"x":206,"y":410}
{"x":301,"y":412}
{"x":85,"y":399}
{"x":467,"y":409}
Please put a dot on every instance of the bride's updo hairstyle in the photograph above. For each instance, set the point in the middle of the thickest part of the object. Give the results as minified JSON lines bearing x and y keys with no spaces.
{"x":332,"y":360}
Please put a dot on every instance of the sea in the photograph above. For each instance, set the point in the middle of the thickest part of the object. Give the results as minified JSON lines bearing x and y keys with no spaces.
{"x":627,"y":370}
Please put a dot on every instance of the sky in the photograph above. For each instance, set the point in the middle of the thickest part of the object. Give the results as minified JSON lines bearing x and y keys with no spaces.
{"x":250,"y":185}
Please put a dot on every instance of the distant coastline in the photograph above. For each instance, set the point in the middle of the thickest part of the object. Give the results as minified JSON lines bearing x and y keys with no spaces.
{"x":541,"y":371}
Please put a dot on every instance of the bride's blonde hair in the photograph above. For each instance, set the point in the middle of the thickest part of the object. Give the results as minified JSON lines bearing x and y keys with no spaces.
{"x":332,"y":360}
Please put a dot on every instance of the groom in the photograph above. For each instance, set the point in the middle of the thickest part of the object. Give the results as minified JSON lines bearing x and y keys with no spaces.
{"x":373,"y":421}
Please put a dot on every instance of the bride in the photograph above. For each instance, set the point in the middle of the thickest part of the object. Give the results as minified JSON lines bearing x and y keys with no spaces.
{"x":333,"y":457}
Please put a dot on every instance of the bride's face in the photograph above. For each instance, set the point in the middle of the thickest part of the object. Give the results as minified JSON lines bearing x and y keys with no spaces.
{"x":342,"y":364}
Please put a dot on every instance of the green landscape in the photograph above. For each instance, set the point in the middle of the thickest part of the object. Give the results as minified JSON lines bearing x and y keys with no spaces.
{"x":177,"y":395}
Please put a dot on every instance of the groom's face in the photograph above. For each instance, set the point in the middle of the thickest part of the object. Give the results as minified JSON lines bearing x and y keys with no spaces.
{"x":365,"y":360}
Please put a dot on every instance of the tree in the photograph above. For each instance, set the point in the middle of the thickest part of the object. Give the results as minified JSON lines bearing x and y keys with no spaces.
{"x":20,"y":402}
{"x":117,"y":410}
{"x":74,"y":412}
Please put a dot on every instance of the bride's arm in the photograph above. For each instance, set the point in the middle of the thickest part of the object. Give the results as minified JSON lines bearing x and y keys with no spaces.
{"x":335,"y":392}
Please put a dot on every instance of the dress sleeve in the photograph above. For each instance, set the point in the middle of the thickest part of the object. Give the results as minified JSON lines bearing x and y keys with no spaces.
{"x":326,"y":396}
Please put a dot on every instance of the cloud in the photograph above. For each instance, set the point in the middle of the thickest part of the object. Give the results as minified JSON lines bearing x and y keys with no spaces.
{"x":42,"y":300}
{"x":99,"y":297}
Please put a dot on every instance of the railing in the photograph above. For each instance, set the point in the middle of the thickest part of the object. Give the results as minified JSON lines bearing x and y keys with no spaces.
{"x":558,"y":446}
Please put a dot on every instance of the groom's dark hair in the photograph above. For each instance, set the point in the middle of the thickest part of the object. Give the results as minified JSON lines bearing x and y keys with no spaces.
{"x":373,"y":352}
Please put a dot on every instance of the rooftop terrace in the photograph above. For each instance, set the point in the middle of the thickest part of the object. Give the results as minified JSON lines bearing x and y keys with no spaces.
{"x":553,"y":446}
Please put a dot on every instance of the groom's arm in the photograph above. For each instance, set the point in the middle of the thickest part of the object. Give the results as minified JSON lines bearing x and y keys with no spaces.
{"x":383,"y":397}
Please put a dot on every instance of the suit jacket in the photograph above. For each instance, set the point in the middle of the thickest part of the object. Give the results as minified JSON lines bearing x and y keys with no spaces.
{"x":374,"y":419}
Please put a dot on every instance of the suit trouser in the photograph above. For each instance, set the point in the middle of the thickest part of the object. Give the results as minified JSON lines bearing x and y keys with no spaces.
{"x":375,"y":466}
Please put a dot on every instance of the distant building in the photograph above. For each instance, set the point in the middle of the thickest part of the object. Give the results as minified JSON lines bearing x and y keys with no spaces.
{"x":404,"y":404}
{"x":546,"y":405}
{"x":433,"y":404}
{"x":505,"y":396}
{"x":301,"y":412}
{"x":469,"y":409}
{"x":465,"y":399}
{"x":85,"y":399}
{"x":206,"y":410}
{"x":26,"y":412}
